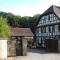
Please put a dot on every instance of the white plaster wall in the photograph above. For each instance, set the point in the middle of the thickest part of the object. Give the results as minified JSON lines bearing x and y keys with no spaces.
{"x":3,"y":48}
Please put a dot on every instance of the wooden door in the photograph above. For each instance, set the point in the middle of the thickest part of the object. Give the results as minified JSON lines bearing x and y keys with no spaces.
{"x":18,"y":47}
{"x":52,"y":45}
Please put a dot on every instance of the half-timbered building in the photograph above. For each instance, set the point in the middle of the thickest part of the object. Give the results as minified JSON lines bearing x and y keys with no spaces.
{"x":48,"y":26}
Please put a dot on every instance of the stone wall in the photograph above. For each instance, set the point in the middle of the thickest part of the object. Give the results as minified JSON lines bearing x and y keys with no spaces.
{"x":17,"y":46}
{"x":11,"y":47}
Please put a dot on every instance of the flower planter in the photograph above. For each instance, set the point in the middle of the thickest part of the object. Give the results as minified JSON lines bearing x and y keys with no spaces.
{"x":3,"y":48}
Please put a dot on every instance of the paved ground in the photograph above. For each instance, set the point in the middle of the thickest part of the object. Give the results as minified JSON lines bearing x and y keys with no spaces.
{"x":35,"y":54}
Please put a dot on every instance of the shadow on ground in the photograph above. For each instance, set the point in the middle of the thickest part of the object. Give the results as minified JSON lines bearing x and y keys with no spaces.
{"x":40,"y":51}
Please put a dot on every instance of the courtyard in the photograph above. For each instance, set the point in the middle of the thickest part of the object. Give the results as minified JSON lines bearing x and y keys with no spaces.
{"x":37,"y":54}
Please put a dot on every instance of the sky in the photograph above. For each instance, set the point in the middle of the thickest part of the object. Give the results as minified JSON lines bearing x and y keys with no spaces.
{"x":26,"y":7}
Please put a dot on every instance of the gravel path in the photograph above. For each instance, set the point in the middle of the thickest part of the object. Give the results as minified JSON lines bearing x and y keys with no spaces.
{"x":35,"y":54}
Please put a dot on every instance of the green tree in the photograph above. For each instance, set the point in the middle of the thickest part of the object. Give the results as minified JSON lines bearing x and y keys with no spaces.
{"x":16,"y":20}
{"x":4,"y":28}
{"x":22,"y":22}
{"x":33,"y":21}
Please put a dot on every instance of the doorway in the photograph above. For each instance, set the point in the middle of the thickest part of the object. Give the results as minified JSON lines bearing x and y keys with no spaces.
{"x":18,"y":46}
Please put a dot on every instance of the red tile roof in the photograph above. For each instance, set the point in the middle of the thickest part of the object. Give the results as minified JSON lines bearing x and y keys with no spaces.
{"x":21,"y":32}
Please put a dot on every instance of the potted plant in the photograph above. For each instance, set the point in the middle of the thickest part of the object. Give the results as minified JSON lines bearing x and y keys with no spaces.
{"x":4,"y":34}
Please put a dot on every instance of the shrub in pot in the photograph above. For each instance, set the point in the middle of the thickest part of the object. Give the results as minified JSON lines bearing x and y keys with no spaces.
{"x":4,"y":34}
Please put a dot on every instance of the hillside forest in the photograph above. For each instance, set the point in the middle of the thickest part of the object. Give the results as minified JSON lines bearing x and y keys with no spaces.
{"x":18,"y":21}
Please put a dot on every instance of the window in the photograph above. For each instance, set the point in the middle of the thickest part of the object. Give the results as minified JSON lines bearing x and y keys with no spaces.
{"x":43,"y":29}
{"x":51,"y":28}
{"x":55,"y":18}
{"x":44,"y":21}
{"x":43,"y":41}
{"x":51,"y":16}
{"x":39,"y":40}
{"x":56,"y":27}
{"x":39,"y":30}
{"x":48,"y":17}
{"x":43,"y":18}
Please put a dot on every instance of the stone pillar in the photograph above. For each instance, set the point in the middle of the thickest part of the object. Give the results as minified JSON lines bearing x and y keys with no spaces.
{"x":24,"y":46}
{"x":12,"y":47}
